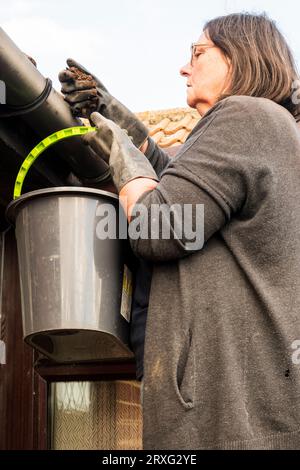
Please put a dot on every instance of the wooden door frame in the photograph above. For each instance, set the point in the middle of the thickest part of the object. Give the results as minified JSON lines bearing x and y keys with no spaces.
{"x":23,"y":392}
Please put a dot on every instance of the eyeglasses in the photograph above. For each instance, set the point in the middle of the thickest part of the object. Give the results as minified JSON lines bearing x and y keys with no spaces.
{"x":197,"y":49}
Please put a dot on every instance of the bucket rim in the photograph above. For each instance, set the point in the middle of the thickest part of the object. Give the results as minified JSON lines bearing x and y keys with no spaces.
{"x":13,"y":206}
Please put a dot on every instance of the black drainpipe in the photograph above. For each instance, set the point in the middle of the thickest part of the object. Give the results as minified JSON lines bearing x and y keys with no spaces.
{"x":30,"y":95}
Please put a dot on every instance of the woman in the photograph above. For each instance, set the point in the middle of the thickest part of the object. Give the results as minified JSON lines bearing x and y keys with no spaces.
{"x":223,"y":317}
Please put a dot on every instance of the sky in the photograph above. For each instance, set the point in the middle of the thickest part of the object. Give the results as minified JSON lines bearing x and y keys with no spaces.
{"x":135,"y":47}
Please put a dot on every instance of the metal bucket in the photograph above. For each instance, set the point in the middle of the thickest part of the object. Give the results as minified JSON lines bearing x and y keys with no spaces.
{"x":72,"y":282}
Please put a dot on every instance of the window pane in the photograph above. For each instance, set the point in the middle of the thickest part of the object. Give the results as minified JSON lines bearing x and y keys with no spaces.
{"x":96,"y":415}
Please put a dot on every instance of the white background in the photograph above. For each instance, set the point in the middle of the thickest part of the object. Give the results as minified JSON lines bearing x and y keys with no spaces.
{"x":135,"y":47}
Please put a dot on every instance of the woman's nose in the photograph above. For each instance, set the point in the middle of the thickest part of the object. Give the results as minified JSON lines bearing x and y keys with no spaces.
{"x":185,"y":70}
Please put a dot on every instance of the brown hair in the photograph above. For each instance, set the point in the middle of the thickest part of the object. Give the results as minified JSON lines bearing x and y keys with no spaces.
{"x":261,"y":60}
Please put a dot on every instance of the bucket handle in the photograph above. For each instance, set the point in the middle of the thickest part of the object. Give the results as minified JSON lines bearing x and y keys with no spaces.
{"x":41,"y":147}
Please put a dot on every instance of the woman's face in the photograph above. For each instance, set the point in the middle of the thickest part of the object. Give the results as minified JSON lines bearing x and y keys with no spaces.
{"x":208,"y":75}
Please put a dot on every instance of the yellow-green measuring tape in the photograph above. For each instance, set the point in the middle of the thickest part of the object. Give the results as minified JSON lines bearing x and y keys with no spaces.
{"x":41,"y":147}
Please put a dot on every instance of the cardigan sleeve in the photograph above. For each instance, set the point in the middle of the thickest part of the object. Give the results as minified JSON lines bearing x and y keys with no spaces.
{"x":157,"y":157}
{"x":215,"y":176}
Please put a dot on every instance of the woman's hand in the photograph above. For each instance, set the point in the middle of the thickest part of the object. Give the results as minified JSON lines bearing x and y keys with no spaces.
{"x":85,"y":93}
{"x":114,"y":145}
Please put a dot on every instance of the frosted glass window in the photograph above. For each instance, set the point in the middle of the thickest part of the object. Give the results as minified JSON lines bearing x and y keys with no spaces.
{"x":96,"y":415}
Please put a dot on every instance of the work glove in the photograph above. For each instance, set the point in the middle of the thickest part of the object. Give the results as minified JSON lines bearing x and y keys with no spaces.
{"x":125,"y":160}
{"x":85,"y":94}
